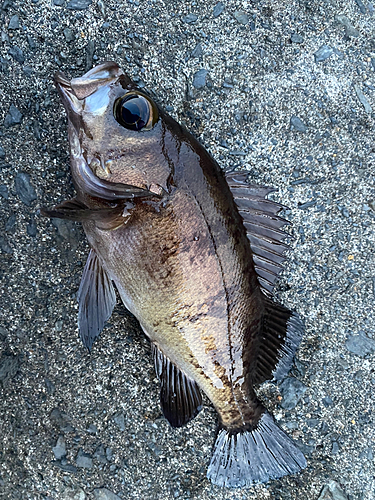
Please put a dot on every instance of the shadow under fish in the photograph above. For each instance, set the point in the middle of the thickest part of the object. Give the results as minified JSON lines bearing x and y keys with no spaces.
{"x":194,"y":255}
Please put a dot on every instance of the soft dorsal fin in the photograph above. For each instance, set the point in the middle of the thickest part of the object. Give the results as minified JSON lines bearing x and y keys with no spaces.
{"x":96,"y":299}
{"x":276,"y":342}
{"x":263,"y":226}
{"x":180,"y":396}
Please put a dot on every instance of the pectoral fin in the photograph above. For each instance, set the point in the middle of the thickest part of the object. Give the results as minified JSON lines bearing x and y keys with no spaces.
{"x":180,"y":396}
{"x":96,"y":299}
{"x":105,"y":218}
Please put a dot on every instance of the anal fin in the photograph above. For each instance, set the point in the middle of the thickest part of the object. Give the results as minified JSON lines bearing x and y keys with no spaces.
{"x":180,"y":397}
{"x":96,"y":299}
{"x":277,"y":342}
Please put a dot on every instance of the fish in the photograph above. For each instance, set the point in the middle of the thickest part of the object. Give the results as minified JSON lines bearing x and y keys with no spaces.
{"x":194,"y":253}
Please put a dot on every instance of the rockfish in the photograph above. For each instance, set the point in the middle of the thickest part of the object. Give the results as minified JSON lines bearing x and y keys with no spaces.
{"x":194,"y":255}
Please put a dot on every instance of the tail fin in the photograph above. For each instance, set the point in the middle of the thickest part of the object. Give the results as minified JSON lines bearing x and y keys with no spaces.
{"x":247,"y":457}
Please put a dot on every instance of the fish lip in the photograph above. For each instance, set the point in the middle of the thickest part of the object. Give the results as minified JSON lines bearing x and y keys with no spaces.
{"x":67,"y":96}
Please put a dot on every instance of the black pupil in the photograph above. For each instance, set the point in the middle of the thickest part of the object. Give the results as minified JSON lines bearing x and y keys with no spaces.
{"x":135,"y":112}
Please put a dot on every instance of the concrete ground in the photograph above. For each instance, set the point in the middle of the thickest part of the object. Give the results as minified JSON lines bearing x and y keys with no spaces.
{"x":285,"y":90}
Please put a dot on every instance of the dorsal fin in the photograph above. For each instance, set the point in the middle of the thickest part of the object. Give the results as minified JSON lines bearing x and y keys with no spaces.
{"x":180,"y":396}
{"x":263,"y":226}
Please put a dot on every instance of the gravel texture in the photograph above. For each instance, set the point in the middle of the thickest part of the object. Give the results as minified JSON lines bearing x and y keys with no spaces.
{"x":283,"y":89}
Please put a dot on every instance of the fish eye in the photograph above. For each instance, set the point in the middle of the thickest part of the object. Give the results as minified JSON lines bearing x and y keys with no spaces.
{"x":135,"y":111}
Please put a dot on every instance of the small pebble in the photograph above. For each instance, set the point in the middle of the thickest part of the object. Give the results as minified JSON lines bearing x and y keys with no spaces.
{"x":9,"y":366}
{"x":190,"y":18}
{"x":292,"y":391}
{"x":100,"y":454}
{"x":84,"y":460}
{"x":61,"y":419}
{"x":79,"y":4}
{"x":241,"y":17}
{"x":335,"y":448}
{"x":31,"y":42}
{"x":362,"y":99}
{"x":323,"y":53}
{"x":105,"y":494}
{"x":349,"y":28}
{"x":5,"y":37}
{"x":332,"y":491}
{"x":218,"y":9}
{"x":13,"y":117}
{"x":360,"y":344}
{"x":27,"y":70}
{"x":199,"y":79}
{"x":5,"y":248}
{"x":11,"y":224}
{"x":327,"y":401}
{"x":120,"y":421}
{"x":60,"y":449}
{"x":345,"y":212}
{"x":90,"y":49}
{"x":101,"y":6}
{"x":297,"y":124}
{"x":24,"y":189}
{"x":17,"y":54}
{"x":67,"y":230}
{"x":70,"y":493}
{"x":50,"y":387}
{"x":361,"y":6}
{"x":68,"y":34}
{"x":31,"y":229}
{"x":14,"y":23}
{"x":296,"y":38}
{"x":4,"y":193}
{"x":65,"y":467}
{"x":197,"y":52}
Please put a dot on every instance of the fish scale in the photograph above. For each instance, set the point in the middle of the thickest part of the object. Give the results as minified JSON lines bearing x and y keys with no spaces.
{"x":194,"y":255}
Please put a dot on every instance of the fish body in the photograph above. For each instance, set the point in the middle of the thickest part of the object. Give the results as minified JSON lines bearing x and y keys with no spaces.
{"x":193,"y":254}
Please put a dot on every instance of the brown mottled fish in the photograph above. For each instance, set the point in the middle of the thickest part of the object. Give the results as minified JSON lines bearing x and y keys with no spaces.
{"x":194,"y":255}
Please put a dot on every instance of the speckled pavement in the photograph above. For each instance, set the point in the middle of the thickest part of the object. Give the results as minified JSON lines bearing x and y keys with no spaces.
{"x":285,"y":90}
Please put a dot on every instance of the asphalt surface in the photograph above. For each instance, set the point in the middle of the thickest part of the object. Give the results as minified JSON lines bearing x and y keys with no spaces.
{"x":285,"y":90}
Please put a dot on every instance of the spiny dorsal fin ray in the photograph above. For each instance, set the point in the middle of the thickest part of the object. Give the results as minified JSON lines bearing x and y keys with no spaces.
{"x":263,"y":226}
{"x":96,"y":299}
{"x":180,"y":396}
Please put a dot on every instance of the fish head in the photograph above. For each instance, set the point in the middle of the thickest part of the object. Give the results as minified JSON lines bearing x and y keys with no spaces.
{"x":117,"y":133}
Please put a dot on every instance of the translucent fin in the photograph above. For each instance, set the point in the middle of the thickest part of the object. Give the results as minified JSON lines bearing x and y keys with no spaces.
{"x":277,"y":342}
{"x":96,"y":299}
{"x":180,"y":396}
{"x":263,"y":226}
{"x":105,"y":218}
{"x":245,"y":458}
